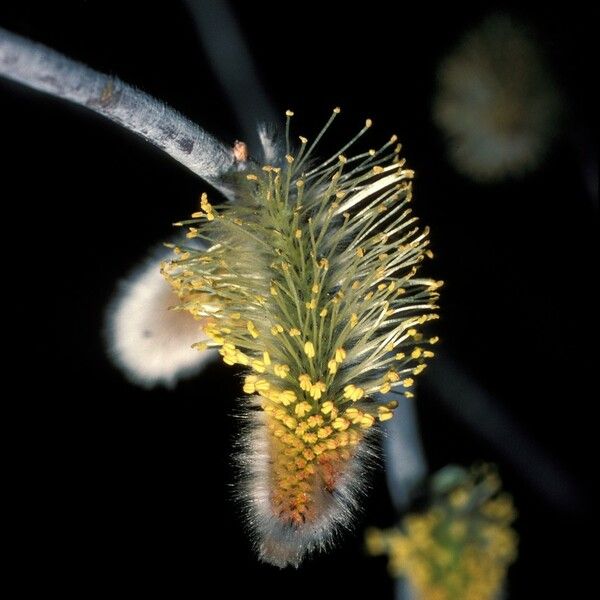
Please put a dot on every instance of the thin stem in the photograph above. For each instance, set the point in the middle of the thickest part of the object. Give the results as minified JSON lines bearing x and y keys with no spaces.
{"x":45,"y":70}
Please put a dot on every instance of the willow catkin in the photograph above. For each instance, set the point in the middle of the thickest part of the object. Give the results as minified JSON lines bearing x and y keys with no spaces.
{"x":310,"y":282}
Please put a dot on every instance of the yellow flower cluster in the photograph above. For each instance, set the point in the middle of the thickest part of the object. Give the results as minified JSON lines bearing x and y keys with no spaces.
{"x":461,"y":548}
{"x":311,"y":280}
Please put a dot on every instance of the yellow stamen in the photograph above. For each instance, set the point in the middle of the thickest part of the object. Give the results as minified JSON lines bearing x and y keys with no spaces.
{"x":302,"y":408}
{"x":327,"y":407}
{"x":317,"y":389}
{"x":367,"y":421}
{"x":249,"y":384}
{"x":287,"y":397}
{"x":309,"y":349}
{"x":340,"y":424}
{"x":305,"y":382}
{"x":281,"y":371}
{"x":340,"y":355}
{"x":353,"y":392}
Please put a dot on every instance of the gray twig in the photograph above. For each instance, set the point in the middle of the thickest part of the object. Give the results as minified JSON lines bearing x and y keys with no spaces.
{"x":232,"y":63}
{"x":406,"y":467}
{"x":43,"y":69}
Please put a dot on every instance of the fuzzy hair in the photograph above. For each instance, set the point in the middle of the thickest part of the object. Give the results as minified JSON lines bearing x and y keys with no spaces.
{"x":146,"y":340}
{"x":309,"y":281}
{"x":282,"y":543}
{"x":272,"y":148}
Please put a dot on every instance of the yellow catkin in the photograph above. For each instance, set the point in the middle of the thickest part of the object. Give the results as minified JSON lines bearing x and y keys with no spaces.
{"x":320,"y":319}
{"x":461,"y":548}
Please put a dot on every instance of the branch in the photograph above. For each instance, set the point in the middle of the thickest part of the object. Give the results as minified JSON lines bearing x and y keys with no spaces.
{"x":471,"y":403}
{"x":233,"y":66}
{"x":43,"y":69}
{"x":406,"y":467}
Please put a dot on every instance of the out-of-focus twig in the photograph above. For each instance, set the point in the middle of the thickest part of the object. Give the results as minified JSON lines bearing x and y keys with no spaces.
{"x":472,"y":404}
{"x":406,"y":467}
{"x":232,"y":63}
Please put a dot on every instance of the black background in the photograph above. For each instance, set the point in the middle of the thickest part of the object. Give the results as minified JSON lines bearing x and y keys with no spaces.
{"x":131,"y":491}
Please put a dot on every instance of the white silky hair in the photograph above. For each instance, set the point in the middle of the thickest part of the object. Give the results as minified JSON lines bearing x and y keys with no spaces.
{"x":272,"y":150}
{"x":146,"y":339}
{"x":281,"y":543}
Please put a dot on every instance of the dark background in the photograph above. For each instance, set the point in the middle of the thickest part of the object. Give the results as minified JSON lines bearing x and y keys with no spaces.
{"x":128,"y":490}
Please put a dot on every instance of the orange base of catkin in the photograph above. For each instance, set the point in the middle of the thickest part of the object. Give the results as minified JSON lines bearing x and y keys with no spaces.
{"x":299,"y":496}
{"x":302,"y":481}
